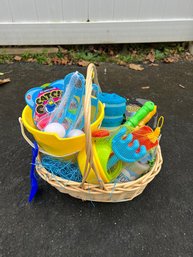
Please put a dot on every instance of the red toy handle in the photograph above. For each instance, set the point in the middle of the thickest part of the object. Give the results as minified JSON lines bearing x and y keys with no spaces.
{"x":100,"y":133}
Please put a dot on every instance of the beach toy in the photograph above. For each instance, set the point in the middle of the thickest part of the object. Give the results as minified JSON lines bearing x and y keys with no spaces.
{"x":105,"y":151}
{"x":140,"y":115}
{"x":75,"y":133}
{"x":43,"y":100}
{"x":121,"y":147}
{"x":96,"y":90}
{"x":100,"y":133}
{"x":100,"y":145}
{"x":101,"y":136}
{"x":115,"y":107}
{"x":133,"y":105}
{"x":94,"y":102}
{"x":150,"y":157}
{"x":102,"y":149}
{"x":132,"y":171}
{"x":148,"y":137}
{"x":69,"y":109}
{"x":148,"y":117}
{"x":55,"y":128}
{"x":142,"y":135}
{"x":125,"y":149}
{"x":32,"y":94}
{"x":33,"y":179}
{"x":52,"y":144}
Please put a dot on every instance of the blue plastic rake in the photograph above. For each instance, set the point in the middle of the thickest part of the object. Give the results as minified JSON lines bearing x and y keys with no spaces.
{"x":125,"y":149}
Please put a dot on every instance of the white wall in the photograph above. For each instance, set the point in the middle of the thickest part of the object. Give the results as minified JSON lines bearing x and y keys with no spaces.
{"x":28,"y":22}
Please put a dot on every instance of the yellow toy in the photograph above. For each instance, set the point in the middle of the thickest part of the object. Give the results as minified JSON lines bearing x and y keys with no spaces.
{"x":102,"y":149}
{"x":51,"y":143}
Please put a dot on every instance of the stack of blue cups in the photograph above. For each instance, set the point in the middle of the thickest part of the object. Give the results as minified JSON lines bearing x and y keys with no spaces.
{"x":115,"y":107}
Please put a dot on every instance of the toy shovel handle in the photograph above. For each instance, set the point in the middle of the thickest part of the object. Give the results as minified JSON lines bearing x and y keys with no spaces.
{"x":140,"y":114}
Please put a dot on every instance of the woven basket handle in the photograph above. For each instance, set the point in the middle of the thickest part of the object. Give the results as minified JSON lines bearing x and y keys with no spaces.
{"x":91,"y":76}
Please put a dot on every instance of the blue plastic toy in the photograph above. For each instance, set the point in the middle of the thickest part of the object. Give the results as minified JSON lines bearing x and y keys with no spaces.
{"x":69,"y":109}
{"x":115,"y":107}
{"x":125,"y":149}
{"x":43,"y":100}
{"x":33,"y":180}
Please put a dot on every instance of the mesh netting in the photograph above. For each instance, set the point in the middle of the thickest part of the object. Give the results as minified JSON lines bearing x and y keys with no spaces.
{"x":61,"y":168}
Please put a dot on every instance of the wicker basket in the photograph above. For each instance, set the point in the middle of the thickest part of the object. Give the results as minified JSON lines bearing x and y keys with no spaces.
{"x":119,"y":192}
{"x":111,"y":192}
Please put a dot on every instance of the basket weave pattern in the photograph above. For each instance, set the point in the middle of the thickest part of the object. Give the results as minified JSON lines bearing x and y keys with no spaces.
{"x":114,"y":192}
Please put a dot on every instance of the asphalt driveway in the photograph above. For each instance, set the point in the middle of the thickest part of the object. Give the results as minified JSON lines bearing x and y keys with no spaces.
{"x":158,"y":223}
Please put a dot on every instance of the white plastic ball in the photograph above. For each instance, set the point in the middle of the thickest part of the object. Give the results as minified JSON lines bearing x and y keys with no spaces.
{"x":55,"y":128}
{"x":75,"y":133}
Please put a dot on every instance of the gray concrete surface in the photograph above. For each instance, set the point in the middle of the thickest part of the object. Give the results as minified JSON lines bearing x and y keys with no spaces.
{"x":159,"y":223}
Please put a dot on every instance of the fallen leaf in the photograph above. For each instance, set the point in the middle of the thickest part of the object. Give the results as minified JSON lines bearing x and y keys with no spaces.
{"x":17,"y":58}
{"x":187,"y":53}
{"x":94,"y":50}
{"x":170,"y":59}
{"x":151,"y":56}
{"x":181,"y":86}
{"x":100,"y":50}
{"x":64,"y":61}
{"x":111,"y":53}
{"x":83,"y":63}
{"x":3,"y":81}
{"x":153,"y":64}
{"x":145,"y":87}
{"x":63,"y":50}
{"x":189,"y":57}
{"x":70,"y":63}
{"x":56,"y":60}
{"x":134,"y":53}
{"x":173,"y":51}
{"x":122,"y":63}
{"x":137,"y":67}
{"x":31,"y":60}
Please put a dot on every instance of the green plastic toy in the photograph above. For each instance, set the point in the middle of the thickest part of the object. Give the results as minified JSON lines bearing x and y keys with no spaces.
{"x":104,"y":145}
